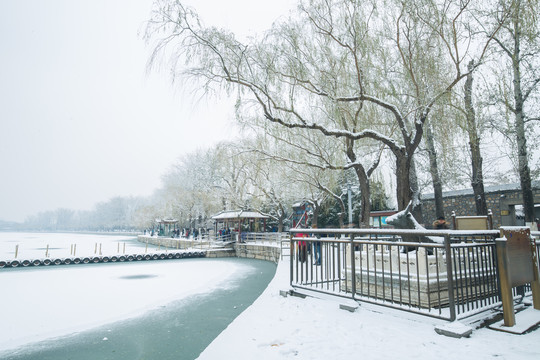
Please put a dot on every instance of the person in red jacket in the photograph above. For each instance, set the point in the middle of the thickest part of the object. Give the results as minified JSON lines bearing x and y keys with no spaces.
{"x":302,"y":248}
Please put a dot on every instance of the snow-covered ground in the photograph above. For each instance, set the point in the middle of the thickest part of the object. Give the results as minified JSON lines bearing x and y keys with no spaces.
{"x":277,"y":327}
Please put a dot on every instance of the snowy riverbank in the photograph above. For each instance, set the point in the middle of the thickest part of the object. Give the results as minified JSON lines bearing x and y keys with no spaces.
{"x":275,"y":327}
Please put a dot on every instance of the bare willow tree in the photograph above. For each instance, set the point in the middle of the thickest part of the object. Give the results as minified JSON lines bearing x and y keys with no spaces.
{"x":318,"y":162}
{"x":270,"y":181}
{"x":367,"y":56}
{"x":190,"y":188}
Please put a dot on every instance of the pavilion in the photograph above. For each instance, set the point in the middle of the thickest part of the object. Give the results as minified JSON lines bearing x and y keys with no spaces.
{"x":236,"y":219}
{"x":166,"y":227}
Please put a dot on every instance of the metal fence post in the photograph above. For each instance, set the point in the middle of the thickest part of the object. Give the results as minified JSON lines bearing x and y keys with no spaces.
{"x":291,"y":257}
{"x":353,"y":268}
{"x":450,"y":278}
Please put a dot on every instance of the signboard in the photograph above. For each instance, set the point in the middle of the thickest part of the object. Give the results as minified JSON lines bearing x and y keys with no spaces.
{"x":472,"y":223}
{"x":518,"y":256}
{"x":516,"y":259}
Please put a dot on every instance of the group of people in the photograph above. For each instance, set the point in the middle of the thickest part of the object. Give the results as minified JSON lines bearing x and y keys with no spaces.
{"x":177,"y":233}
{"x":304,"y":248}
{"x":224,"y":234}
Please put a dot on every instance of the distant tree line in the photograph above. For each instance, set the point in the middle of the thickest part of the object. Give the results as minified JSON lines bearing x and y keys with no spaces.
{"x":117,"y":214}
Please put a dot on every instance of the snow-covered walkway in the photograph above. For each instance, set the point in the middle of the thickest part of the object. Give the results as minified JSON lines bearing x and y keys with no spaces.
{"x":277,"y":327}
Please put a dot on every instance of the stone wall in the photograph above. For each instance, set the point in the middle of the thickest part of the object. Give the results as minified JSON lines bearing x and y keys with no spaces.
{"x":220,"y":253}
{"x":501,"y":200}
{"x":173,"y":243}
{"x":261,"y":252}
{"x":248,"y":250}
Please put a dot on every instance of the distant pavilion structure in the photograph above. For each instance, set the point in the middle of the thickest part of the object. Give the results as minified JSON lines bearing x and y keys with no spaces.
{"x":239,"y":218}
{"x":166,"y":226}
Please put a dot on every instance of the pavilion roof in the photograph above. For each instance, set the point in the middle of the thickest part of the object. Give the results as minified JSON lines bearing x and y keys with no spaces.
{"x":239,"y":214}
{"x":167,"y":221}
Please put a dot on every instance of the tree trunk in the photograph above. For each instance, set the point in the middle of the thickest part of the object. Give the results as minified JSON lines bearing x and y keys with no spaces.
{"x":365,"y":192}
{"x":477,"y":180}
{"x":407,"y":184}
{"x":415,"y":192}
{"x":365,"y":195}
{"x":434,"y":171}
{"x":523,"y":160}
{"x":403,"y":187}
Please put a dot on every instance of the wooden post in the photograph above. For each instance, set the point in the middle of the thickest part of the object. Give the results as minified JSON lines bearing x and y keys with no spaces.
{"x":535,"y":284}
{"x":16,"y":250}
{"x":506,"y":288}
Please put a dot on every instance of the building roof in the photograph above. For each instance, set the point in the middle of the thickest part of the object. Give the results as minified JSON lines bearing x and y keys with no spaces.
{"x":167,"y":221}
{"x":239,"y":214}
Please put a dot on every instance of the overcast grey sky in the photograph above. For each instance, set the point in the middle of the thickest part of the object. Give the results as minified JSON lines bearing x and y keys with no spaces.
{"x":80,"y":119}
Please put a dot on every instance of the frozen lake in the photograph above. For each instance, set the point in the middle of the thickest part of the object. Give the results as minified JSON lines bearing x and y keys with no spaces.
{"x":166,"y":309}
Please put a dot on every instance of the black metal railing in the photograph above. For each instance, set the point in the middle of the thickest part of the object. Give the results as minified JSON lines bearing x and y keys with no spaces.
{"x":452,"y":278}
